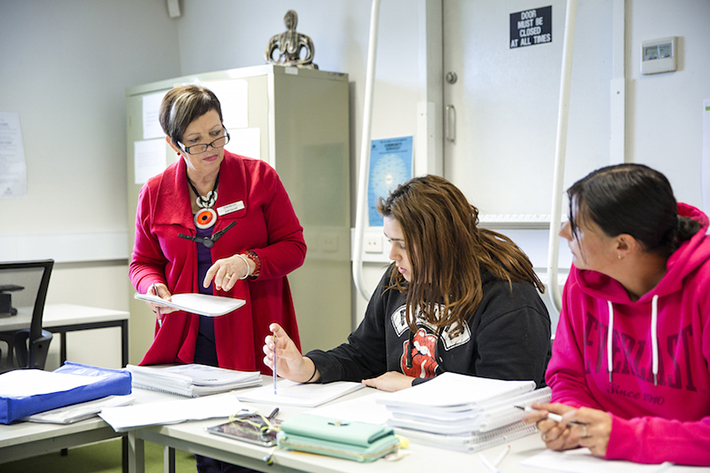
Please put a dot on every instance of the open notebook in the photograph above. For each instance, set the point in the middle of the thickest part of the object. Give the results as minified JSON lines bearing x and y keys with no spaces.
{"x":297,"y":394}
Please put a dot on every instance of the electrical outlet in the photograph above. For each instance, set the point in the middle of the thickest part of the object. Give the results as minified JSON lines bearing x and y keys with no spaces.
{"x":373,"y":243}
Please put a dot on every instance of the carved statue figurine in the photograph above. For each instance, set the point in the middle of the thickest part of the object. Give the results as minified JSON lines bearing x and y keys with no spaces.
{"x":289,"y":45}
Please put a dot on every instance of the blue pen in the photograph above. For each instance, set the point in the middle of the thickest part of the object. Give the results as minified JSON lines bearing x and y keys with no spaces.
{"x":274,"y":364}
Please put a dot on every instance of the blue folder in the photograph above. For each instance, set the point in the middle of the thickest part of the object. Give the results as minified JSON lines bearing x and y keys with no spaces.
{"x":113,"y":382}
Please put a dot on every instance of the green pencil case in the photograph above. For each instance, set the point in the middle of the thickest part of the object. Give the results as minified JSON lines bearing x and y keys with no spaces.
{"x":350,"y":440}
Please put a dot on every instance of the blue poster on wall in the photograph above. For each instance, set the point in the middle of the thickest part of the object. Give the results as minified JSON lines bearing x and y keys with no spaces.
{"x":390,"y":166}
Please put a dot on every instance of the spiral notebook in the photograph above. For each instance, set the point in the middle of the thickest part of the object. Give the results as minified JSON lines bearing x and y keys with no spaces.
{"x":464,"y":413}
{"x":471,"y":443}
{"x":192,"y":380}
{"x":464,"y":422}
{"x":456,"y":392}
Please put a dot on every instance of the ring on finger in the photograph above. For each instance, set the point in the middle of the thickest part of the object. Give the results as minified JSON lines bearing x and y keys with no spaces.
{"x":228,"y":276}
{"x":584,"y":431}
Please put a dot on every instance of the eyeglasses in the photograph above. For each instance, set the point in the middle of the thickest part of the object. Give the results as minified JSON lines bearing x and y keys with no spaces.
{"x":201,"y":148}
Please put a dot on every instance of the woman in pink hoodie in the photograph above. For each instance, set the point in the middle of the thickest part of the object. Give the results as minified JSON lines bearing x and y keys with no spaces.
{"x":630,"y":369}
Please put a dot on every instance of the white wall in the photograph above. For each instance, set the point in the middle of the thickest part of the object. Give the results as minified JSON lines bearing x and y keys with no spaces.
{"x":664,"y":113}
{"x":70,"y":61}
{"x":65,"y":68}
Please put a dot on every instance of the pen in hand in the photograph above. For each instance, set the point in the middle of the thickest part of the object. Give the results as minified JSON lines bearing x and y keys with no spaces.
{"x":154,"y":288}
{"x":274,"y":364}
{"x":550,"y":415}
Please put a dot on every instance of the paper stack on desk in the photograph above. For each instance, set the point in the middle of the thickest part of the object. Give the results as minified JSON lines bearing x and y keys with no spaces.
{"x":81,"y":411}
{"x":191,"y":380}
{"x":463,"y":413}
{"x":171,"y":411}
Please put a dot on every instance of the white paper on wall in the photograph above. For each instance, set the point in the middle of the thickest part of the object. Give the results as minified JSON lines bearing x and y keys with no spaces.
{"x":245,"y":142}
{"x":232,"y":95}
{"x":149,"y":159}
{"x":151,"y":110}
{"x":13,"y":169}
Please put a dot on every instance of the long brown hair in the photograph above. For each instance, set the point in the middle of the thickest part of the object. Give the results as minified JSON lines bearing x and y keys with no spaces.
{"x":448,"y":251}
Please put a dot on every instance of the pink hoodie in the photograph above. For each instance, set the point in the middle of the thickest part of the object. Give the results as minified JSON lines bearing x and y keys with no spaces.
{"x":664,"y":335}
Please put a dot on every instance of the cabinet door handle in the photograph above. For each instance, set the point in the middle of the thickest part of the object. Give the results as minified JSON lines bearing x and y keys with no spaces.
{"x":450,"y":127}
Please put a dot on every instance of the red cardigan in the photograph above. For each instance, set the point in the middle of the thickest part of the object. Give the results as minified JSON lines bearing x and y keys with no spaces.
{"x":267,"y":224}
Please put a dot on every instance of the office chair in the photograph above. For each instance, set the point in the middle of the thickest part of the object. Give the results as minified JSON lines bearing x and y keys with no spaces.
{"x":23,"y":291}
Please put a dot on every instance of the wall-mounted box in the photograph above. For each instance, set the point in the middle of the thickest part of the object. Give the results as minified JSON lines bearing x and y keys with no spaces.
{"x":659,"y":55}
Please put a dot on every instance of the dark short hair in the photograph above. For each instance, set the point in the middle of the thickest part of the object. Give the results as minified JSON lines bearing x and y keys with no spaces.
{"x":632,"y":199}
{"x":183,"y":104}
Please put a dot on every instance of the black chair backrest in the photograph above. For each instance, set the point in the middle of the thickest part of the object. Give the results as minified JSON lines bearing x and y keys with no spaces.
{"x":24,"y":274}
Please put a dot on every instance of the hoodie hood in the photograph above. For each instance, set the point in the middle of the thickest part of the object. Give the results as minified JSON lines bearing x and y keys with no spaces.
{"x":686,"y":259}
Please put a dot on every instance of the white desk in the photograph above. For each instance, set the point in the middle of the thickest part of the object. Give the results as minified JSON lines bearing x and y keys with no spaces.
{"x":29,"y":439}
{"x":63,"y":318}
{"x":191,"y":437}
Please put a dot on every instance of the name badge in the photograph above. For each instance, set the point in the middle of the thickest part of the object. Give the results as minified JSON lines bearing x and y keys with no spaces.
{"x":229,"y":208}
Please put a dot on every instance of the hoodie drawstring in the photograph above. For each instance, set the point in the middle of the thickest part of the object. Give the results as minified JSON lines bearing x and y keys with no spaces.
{"x":610,"y":340}
{"x":654,"y":339}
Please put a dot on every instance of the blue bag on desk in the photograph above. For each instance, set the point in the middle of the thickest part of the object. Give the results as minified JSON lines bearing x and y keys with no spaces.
{"x":103,"y":382}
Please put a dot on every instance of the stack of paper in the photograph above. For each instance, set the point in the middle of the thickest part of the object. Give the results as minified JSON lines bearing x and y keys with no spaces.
{"x":80,"y":411}
{"x":170,"y":412}
{"x":191,"y":380}
{"x":464,"y":413}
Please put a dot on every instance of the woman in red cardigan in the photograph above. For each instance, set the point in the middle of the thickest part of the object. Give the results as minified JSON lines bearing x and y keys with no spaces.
{"x":216,"y":223}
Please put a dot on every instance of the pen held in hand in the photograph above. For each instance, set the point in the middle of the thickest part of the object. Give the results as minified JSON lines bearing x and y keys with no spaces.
{"x":154,"y":288}
{"x":274,"y":364}
{"x":550,"y":415}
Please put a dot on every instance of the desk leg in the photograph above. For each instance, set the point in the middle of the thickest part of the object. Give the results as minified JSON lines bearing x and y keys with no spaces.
{"x":136,"y":454}
{"x":62,"y":348}
{"x":124,"y":343}
{"x":168,"y":459}
{"x":124,"y":453}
